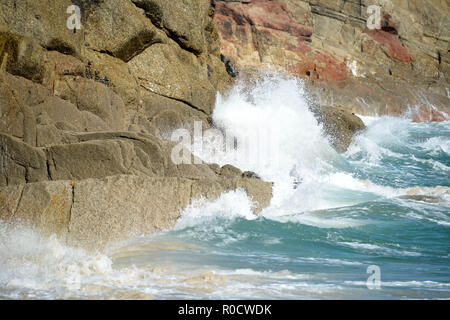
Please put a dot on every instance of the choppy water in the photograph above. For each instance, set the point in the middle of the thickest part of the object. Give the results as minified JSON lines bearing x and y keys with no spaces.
{"x":384,"y":203}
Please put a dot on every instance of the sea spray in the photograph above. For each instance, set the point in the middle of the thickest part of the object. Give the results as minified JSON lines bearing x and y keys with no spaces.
{"x":308,"y":174}
{"x":230,"y":205}
{"x":292,"y":148}
{"x":30,"y":260}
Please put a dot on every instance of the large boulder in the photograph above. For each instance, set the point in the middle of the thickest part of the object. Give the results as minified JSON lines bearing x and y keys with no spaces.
{"x":67,"y":116}
{"x":17,"y":96}
{"x":100,"y":156}
{"x":120,"y":29}
{"x":103,"y":187}
{"x":21,"y":56}
{"x":42,"y":205}
{"x":25,"y":105}
{"x":184,"y":21}
{"x":339,"y":124}
{"x":99,"y":188}
{"x":166,"y":115}
{"x":92,"y":96}
{"x":116,"y":72}
{"x":174,"y":73}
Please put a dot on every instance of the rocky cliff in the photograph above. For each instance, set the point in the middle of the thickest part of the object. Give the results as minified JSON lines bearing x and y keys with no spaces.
{"x":401,"y":68}
{"x":83,"y":111}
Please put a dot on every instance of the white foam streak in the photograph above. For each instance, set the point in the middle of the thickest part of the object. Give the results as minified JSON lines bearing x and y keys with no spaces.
{"x":229,"y":206}
{"x":380,"y":249}
{"x":436,"y":144}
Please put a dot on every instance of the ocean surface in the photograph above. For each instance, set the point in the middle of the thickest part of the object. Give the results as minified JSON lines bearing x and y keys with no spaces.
{"x":373,"y":223}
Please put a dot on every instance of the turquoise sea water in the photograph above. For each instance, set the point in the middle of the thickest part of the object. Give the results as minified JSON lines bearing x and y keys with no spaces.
{"x":384,"y":205}
{"x":325,"y":253}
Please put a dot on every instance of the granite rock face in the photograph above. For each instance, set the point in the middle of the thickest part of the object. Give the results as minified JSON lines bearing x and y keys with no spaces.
{"x":402,"y":68}
{"x":97,"y":213}
{"x":102,"y":187}
{"x":84,"y":113}
{"x":134,"y":49}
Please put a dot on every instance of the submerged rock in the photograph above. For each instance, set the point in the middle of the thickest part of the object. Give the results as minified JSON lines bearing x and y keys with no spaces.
{"x":423,"y":198}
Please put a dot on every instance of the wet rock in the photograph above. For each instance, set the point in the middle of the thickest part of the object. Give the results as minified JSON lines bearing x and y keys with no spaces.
{"x":47,"y":206}
{"x":339,"y":125}
{"x":423,"y":198}
{"x":96,"y":213}
{"x":230,"y":171}
{"x":229,"y":65}
{"x":112,"y":185}
{"x":250,"y":174}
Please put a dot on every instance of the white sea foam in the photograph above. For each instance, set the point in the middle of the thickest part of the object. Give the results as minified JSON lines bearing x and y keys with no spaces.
{"x":28,"y":260}
{"x":368,"y":120}
{"x":380,"y":249}
{"x":436,"y":144}
{"x":315,"y":219}
{"x":230,"y":205}
{"x":405,"y":284}
{"x":293,"y":147}
{"x":382,"y":135}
